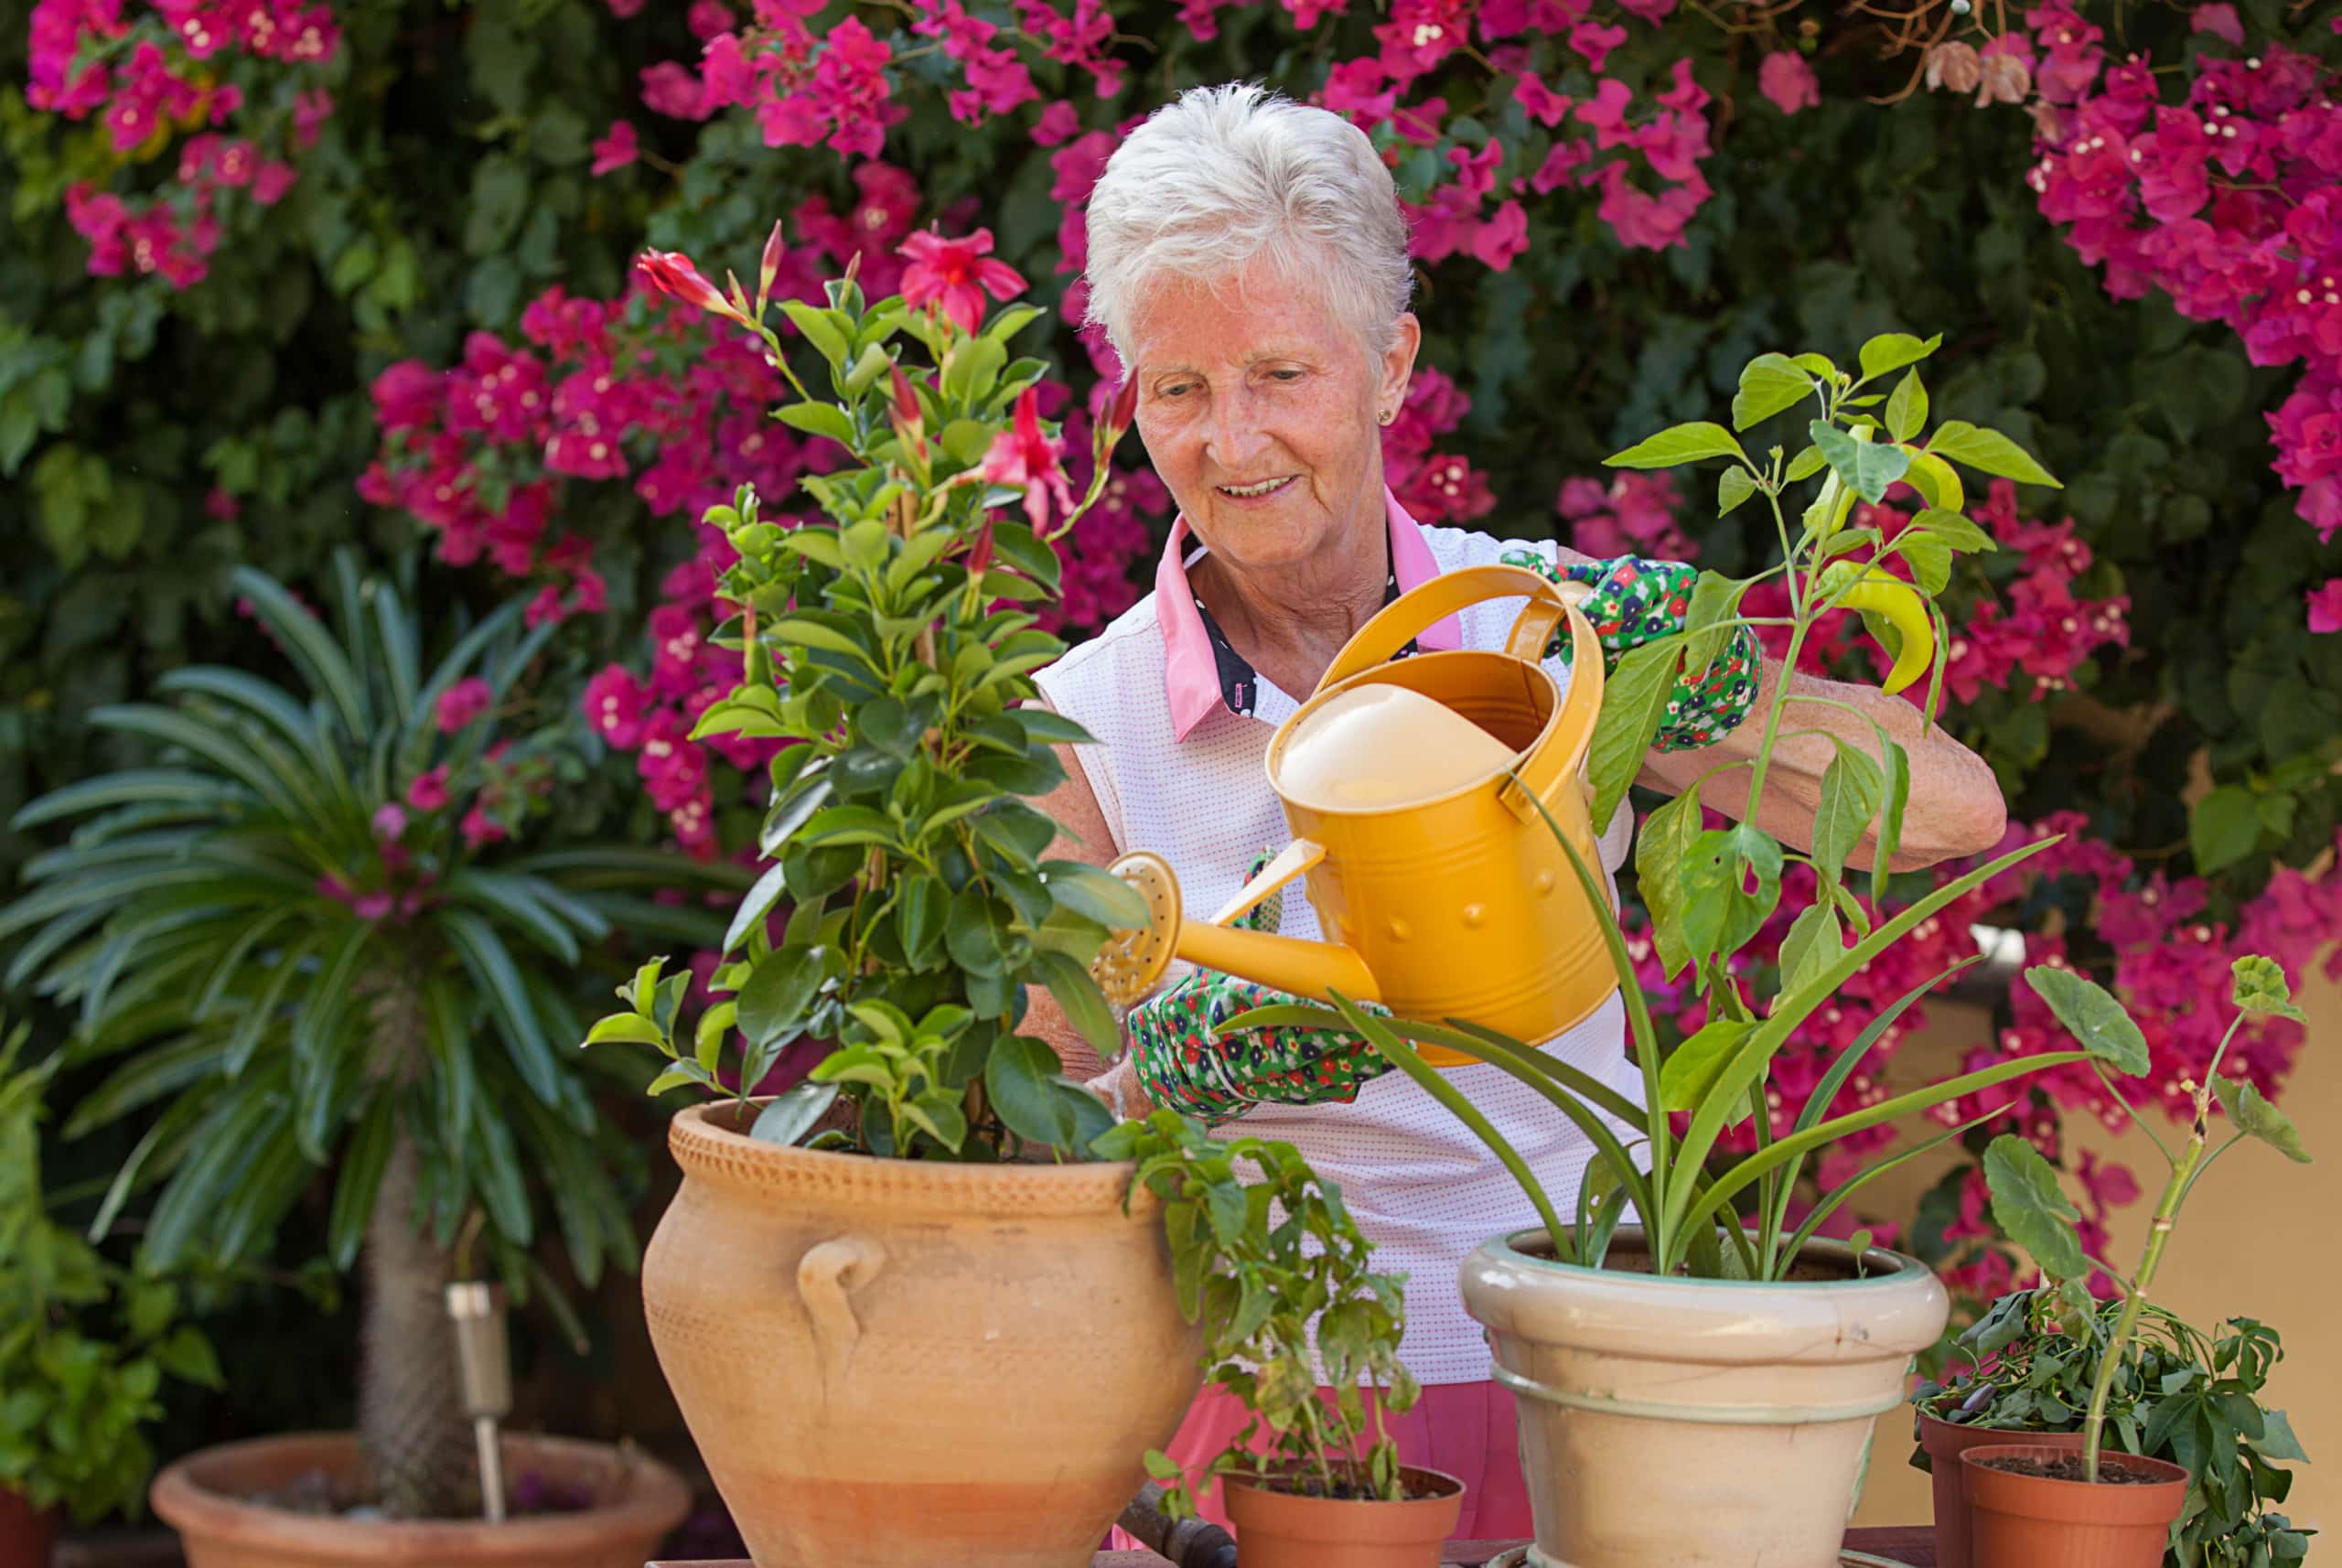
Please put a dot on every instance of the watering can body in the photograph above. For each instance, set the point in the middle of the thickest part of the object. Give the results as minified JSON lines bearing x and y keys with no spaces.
{"x":1459,"y":906}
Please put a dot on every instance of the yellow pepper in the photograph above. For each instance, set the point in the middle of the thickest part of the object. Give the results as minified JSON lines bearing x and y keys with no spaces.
{"x":1830,"y":508}
{"x":1948,"y":496}
{"x":1857,"y":587}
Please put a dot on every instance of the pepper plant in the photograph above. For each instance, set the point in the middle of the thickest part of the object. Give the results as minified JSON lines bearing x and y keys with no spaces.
{"x":2181,"y":1394}
{"x":891,"y":642}
{"x":1709,"y":890}
{"x":1265,"y":1256}
{"x":2038,"y":1216}
{"x":305,"y":955}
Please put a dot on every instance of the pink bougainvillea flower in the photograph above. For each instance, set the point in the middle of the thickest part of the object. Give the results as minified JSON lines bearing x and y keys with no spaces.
{"x":389,"y":823}
{"x":2220,"y":21}
{"x":671,"y":273}
{"x":1022,"y":454}
{"x":958,"y":273}
{"x":2325,"y":606}
{"x":1788,"y":81}
{"x":462,"y":702}
{"x":615,"y":150}
{"x":427,"y":791}
{"x":479,"y":828}
{"x":1059,"y":123}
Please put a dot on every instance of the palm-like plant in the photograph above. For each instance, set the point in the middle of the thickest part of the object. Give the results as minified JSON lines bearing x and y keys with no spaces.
{"x":318,"y":964}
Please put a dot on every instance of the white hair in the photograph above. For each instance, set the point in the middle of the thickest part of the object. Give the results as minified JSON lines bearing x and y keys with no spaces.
{"x":1223,"y":174}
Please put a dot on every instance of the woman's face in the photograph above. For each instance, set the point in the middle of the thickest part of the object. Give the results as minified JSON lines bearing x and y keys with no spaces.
{"x":1259,"y":407}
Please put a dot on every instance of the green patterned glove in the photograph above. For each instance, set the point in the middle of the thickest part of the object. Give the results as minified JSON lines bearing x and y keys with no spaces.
{"x":1637,"y":601}
{"x":1184,"y":1061}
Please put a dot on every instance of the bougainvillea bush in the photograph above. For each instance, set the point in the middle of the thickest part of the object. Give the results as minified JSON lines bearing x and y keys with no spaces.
{"x":289,"y":275}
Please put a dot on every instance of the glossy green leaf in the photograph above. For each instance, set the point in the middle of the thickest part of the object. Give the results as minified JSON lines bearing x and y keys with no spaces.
{"x":1867,"y":467}
{"x":1893,"y":351}
{"x":1683,"y":443}
{"x":1733,"y":487}
{"x":1769,"y":384}
{"x":1100,"y":896}
{"x":1906,"y":411}
{"x":779,"y":991}
{"x":1988,"y":452}
{"x":1634,"y":705}
{"x":1659,"y":853}
{"x":1851,"y":791}
{"x":1693,"y":1068}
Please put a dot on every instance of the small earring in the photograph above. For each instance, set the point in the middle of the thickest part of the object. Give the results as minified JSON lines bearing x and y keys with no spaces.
{"x":1387,"y":416}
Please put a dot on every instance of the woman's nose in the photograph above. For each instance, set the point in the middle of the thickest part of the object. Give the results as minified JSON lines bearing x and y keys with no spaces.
{"x":1234,"y":438}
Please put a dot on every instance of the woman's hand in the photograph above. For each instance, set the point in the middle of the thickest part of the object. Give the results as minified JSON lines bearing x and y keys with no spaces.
{"x":1955,"y":810}
{"x":1118,"y":1086}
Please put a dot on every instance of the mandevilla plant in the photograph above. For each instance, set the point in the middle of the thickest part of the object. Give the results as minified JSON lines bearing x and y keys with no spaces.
{"x":1260,"y":1259}
{"x":891,"y":644}
{"x":2028,"y":1204}
{"x":1710,"y":890}
{"x":2180,"y":1394}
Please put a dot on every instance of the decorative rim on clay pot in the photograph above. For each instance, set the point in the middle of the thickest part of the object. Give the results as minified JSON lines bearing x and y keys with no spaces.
{"x":2039,"y":1522}
{"x":892,"y":1361}
{"x":27,"y":1533}
{"x":206,"y":1498}
{"x":1285,"y":1529}
{"x":1945,"y":1442}
{"x":1702,"y":1424}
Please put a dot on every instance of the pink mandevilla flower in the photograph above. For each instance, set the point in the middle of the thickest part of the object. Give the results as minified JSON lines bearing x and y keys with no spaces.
{"x":1022,"y":454}
{"x":957,"y":274}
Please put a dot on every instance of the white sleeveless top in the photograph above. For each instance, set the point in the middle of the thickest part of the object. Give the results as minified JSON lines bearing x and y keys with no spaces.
{"x":1195,"y":789}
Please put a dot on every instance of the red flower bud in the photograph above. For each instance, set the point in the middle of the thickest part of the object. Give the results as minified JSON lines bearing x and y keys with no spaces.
{"x":1124,"y":409}
{"x":910,"y":425}
{"x":769,"y":268}
{"x":672,"y":274}
{"x":980,"y":552}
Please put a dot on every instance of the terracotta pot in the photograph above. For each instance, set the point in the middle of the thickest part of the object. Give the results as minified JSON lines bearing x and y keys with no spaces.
{"x":1700,"y":1423}
{"x":892,"y":1361}
{"x":2033,"y":1521}
{"x":27,"y":1533}
{"x":1285,"y":1529}
{"x":1945,"y":1443}
{"x":205,"y":1496}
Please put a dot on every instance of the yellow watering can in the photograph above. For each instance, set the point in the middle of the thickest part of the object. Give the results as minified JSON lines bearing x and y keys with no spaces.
{"x":1451,"y":903}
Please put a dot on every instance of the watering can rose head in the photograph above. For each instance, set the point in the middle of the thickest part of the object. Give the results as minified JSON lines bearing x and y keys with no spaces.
{"x":888,"y":647}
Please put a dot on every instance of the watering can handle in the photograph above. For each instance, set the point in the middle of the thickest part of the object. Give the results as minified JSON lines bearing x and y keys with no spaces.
{"x":1420,"y":609}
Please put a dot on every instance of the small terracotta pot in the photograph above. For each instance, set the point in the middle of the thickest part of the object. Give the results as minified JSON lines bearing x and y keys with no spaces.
{"x":1285,"y":1529}
{"x":2033,"y":1521}
{"x":206,"y":1498}
{"x":27,"y":1533}
{"x":1945,"y":1443}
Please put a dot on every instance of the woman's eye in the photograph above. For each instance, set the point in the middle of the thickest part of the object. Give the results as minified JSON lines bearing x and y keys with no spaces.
{"x":1286,"y":375}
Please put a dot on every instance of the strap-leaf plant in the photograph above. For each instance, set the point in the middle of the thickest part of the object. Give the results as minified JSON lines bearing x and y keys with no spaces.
{"x":1709,"y":891}
{"x":891,"y":642}
{"x":300,"y":961}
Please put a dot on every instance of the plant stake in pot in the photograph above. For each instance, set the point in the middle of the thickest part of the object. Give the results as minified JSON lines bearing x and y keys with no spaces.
{"x":484,"y":1359}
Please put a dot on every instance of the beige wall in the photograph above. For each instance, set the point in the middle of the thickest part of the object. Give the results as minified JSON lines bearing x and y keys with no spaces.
{"x":2257,"y":1239}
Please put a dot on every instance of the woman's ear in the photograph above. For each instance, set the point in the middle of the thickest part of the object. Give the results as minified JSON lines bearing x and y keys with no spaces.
{"x":1399,"y":361}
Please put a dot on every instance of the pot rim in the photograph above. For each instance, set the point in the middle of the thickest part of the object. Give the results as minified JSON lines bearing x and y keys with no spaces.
{"x":1452,"y":1488}
{"x":2171,"y":1474}
{"x":1907,"y":1271}
{"x":654,"y":1501}
{"x":708,"y":1151}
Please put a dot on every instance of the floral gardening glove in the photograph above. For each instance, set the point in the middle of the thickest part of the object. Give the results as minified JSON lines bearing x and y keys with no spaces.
{"x":1637,"y":601}
{"x":1184,"y":1061}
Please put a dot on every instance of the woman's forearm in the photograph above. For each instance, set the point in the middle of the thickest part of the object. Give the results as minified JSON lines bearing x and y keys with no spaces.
{"x":1955,"y":807}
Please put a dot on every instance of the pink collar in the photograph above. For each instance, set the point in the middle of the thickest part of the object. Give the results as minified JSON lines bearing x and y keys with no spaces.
{"x":1191,"y":676}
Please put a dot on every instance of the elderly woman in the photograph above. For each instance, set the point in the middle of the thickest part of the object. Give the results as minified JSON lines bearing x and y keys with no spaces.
{"x":1249,"y":262}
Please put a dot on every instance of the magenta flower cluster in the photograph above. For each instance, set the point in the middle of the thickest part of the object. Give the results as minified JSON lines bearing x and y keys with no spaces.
{"x":2226,"y":199}
{"x":153,"y":73}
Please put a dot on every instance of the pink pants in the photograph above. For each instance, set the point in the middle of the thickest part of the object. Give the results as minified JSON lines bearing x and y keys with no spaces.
{"x":1465,"y":1429}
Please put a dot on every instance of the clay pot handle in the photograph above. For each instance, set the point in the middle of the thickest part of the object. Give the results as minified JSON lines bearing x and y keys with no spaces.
{"x":824,"y":1274}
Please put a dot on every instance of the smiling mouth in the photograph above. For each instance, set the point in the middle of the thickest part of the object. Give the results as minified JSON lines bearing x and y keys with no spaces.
{"x":1254,"y":491}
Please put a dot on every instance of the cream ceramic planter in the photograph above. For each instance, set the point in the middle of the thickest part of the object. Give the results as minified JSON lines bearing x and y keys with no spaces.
{"x":888,"y":1361}
{"x":1692,"y":1422}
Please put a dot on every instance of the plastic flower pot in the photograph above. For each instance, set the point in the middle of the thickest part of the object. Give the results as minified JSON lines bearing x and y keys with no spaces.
{"x":1698,"y":1423}
{"x":2021,"y":1521}
{"x":1945,"y":1443}
{"x":1287,"y":1530}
